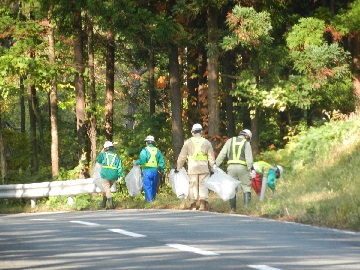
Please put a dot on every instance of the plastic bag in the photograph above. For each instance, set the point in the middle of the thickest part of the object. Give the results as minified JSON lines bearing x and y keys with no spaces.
{"x":222,"y":184}
{"x":113,"y":187}
{"x":133,"y":181}
{"x":97,"y":177}
{"x":179,"y":183}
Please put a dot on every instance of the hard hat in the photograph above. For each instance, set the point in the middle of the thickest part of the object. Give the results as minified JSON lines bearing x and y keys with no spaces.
{"x":149,"y":139}
{"x":280,"y":169}
{"x":246,"y":132}
{"x":196,"y":127}
{"x":108,"y":144}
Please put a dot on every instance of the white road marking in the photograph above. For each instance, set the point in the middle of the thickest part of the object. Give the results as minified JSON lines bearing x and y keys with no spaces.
{"x":192,"y":249}
{"x":84,"y":223}
{"x":127,"y":233}
{"x":263,"y":267}
{"x":41,"y":219}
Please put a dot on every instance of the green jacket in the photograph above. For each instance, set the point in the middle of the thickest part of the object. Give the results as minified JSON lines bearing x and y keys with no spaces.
{"x":111,"y":165}
{"x":259,"y":167}
{"x":145,"y":156}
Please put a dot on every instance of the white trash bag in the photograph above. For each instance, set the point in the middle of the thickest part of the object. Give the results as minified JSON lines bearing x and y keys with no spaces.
{"x":133,"y":181}
{"x":113,"y":187}
{"x":222,"y":184}
{"x":97,"y":177}
{"x":179,"y":183}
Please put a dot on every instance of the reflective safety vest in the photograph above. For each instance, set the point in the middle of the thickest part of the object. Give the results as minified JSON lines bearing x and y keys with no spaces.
{"x":198,"y":154}
{"x":152,"y":162}
{"x":110,"y":162}
{"x":260,"y":165}
{"x":234,"y":156}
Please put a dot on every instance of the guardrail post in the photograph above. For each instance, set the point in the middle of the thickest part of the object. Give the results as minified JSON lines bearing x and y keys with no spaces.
{"x":70,"y":201}
{"x":33,"y":202}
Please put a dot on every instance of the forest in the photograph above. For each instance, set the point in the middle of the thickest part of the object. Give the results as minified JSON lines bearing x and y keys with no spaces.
{"x":75,"y":73}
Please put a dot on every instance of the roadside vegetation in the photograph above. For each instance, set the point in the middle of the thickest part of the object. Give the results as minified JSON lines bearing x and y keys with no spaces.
{"x":320,"y":185}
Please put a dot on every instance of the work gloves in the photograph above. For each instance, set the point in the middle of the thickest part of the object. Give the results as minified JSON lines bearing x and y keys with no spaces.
{"x":252,"y":174}
{"x":119,"y":179}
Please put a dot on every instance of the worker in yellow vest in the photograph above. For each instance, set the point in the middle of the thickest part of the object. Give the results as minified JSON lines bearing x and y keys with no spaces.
{"x":259,"y":169}
{"x":111,"y":170}
{"x":151,"y":160}
{"x":238,"y":152}
{"x":199,"y":154}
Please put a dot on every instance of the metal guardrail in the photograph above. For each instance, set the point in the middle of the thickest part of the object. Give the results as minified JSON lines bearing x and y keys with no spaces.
{"x":46,"y":189}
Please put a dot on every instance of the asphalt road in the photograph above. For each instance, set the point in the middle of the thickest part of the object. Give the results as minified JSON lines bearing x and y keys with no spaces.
{"x":166,"y":239}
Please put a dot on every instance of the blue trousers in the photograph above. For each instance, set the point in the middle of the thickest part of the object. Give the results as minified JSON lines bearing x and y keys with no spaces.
{"x":150,"y":179}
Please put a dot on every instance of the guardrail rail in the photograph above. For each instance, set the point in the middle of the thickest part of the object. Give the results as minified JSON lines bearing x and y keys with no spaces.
{"x":56,"y":188}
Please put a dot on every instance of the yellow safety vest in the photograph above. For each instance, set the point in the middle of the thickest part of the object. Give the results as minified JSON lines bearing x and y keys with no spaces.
{"x":234,"y":157}
{"x":110,"y":164}
{"x":152,"y":162}
{"x":198,"y":154}
{"x":260,"y":165}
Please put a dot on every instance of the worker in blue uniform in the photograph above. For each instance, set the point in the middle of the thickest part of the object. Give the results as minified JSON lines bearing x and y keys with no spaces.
{"x":151,"y":160}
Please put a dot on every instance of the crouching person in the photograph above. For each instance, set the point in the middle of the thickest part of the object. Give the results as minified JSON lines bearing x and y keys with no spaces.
{"x":259,"y":170}
{"x":110,"y":171}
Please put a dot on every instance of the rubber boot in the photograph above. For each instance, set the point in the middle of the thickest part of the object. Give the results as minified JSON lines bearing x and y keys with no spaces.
{"x":233,"y":204}
{"x":111,"y":203}
{"x":103,"y":204}
{"x":203,"y":205}
{"x":247,"y":198}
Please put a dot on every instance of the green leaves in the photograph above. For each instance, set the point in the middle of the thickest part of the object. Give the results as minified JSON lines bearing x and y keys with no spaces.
{"x":248,"y":28}
{"x":309,"y":31}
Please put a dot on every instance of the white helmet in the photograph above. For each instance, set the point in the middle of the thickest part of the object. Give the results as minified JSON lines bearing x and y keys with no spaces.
{"x":246,"y":132}
{"x":280,"y":169}
{"x":150,"y":139}
{"x":108,"y":144}
{"x":196,"y":127}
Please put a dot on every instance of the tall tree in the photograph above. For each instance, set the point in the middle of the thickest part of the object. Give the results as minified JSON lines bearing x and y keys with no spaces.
{"x":249,"y":31}
{"x":175,"y":96}
{"x":213,"y":69}
{"x":79,"y":84}
{"x":92,"y":111}
{"x":53,"y":97}
{"x":110,"y":73}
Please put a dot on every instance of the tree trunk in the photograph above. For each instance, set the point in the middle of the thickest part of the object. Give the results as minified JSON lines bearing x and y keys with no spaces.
{"x":39,"y":121}
{"x":213,"y":71}
{"x":255,"y":129}
{"x":53,"y":109}
{"x":354,"y":44}
{"x":110,"y":75}
{"x":22,"y":106}
{"x":34,"y":160}
{"x":229,"y":69}
{"x":152,"y":81}
{"x":175,"y":97}
{"x":202,"y":85}
{"x":255,"y":112}
{"x":192,"y":85}
{"x":79,"y":84}
{"x":2,"y":152}
{"x":91,"y":129}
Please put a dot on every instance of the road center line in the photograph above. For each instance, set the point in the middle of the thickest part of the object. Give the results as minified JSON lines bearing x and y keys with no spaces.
{"x":41,"y":219}
{"x":192,"y":249}
{"x":84,"y":223}
{"x":263,"y":267}
{"x":127,"y":233}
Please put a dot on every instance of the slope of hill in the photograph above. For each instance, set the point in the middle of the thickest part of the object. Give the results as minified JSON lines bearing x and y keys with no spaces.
{"x":321,"y":184}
